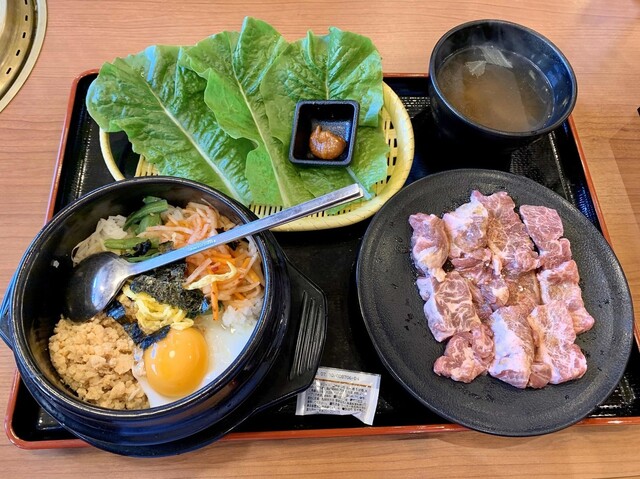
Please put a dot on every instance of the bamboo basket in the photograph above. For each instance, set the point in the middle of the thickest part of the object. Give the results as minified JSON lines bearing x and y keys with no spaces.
{"x":398,"y":133}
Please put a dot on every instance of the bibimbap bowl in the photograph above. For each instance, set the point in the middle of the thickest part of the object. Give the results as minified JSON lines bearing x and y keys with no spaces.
{"x":34,"y":305}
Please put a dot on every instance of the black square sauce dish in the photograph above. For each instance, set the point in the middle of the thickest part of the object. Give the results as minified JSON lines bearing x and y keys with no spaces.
{"x":324,"y":132}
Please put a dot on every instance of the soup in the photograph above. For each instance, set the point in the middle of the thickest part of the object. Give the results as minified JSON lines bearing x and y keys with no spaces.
{"x":495,"y":88}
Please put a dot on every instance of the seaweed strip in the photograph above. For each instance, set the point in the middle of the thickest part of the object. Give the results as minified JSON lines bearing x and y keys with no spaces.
{"x":116,"y":311}
{"x":165,"y":286}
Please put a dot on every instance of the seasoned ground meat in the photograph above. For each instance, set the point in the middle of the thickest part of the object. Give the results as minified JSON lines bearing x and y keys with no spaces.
{"x":94,"y":359}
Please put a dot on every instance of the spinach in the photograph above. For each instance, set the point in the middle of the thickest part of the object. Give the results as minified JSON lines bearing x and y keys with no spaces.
{"x":150,"y":208}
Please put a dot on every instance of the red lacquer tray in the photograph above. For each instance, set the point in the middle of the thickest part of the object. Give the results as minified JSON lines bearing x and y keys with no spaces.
{"x":557,"y":162}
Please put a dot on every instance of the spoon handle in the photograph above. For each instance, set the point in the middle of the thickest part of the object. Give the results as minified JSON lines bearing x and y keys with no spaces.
{"x":287,"y":215}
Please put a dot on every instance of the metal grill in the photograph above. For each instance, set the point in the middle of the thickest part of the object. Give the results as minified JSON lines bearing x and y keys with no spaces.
{"x":22,"y":28}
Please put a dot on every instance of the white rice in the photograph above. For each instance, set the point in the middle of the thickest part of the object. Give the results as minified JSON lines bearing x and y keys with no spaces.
{"x":247,"y":313}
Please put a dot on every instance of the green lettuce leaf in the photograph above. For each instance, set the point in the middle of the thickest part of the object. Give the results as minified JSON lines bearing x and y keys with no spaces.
{"x":159,"y":105}
{"x":337,"y":66}
{"x":221,"y":112}
{"x":369,"y":166}
{"x":234,"y":66}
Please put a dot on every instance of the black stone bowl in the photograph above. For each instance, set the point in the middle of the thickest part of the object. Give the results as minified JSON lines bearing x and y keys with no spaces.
{"x":470,"y":136}
{"x":33,"y":304}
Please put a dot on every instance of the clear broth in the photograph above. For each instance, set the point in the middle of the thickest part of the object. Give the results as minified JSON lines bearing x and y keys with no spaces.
{"x":496,"y":88}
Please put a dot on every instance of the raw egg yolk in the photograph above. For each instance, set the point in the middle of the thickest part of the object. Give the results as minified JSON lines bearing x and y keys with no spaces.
{"x":176,"y":364}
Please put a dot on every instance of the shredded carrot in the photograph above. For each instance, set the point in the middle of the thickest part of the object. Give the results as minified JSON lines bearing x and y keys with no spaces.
{"x":184,"y":226}
{"x":214,"y":301}
{"x":253,"y":277}
{"x":198,"y":270}
{"x":217,"y":256}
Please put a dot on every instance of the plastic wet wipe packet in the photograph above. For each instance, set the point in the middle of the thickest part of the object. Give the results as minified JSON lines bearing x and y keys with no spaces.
{"x":341,"y":392}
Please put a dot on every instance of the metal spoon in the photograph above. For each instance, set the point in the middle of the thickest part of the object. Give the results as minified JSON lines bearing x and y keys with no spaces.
{"x":99,"y":278}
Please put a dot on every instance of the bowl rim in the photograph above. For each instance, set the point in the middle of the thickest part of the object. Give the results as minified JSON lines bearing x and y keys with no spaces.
{"x":500,"y":133}
{"x":56,"y":394}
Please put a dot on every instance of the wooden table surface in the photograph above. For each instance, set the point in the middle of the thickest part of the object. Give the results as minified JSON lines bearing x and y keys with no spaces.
{"x":601,"y":38}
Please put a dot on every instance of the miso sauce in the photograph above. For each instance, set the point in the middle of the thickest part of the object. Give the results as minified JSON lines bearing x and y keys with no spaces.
{"x":496,"y":88}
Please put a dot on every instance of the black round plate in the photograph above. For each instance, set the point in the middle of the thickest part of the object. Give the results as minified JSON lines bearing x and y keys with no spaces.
{"x":393,"y":312}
